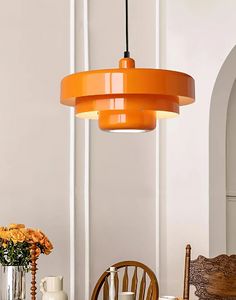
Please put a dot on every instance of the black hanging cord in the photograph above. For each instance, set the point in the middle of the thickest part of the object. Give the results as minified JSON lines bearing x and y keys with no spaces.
{"x":126,"y":53}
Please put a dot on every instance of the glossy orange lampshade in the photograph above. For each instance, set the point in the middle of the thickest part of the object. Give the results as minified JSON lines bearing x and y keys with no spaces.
{"x":127,"y":99}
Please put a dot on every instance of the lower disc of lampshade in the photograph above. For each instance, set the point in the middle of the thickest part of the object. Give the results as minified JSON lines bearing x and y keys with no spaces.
{"x":127,"y":121}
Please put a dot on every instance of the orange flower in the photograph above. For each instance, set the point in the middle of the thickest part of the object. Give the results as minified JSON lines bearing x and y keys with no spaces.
{"x":37,"y":252}
{"x":16,"y":226}
{"x":17,"y":236}
{"x":48,"y":245}
{"x":4,"y":245}
{"x":43,"y":236}
{"x":47,"y":252}
{"x":35,"y":236}
{"x":24,"y":231}
{"x":5,"y":235}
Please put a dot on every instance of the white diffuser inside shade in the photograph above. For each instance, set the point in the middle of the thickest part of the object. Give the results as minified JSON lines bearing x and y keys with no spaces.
{"x":126,"y":130}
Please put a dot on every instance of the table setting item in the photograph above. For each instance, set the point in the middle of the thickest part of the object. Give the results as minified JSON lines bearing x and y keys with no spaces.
{"x":52,"y":288}
{"x":126,"y":296}
{"x":112,"y":291}
{"x":13,"y":282}
{"x":168,"y":298}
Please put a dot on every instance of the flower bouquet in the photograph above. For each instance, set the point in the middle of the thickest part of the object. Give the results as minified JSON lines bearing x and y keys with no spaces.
{"x":19,"y":248}
{"x":16,"y":242}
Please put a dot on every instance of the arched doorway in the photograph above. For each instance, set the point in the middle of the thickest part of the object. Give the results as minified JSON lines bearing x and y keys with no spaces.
{"x":231,"y":174}
{"x":217,"y":154}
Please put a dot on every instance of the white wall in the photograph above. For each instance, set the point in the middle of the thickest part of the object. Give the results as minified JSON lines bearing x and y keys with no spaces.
{"x":122,"y":166}
{"x":34,"y":128}
{"x":192,"y":40}
{"x":196,"y":42}
{"x":35,"y":142}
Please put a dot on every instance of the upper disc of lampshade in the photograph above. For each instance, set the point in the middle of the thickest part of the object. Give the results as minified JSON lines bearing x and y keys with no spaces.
{"x":112,"y":83}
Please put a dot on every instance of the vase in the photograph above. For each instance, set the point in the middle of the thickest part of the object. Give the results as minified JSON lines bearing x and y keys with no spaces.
{"x":52,"y":288}
{"x":13,"y":283}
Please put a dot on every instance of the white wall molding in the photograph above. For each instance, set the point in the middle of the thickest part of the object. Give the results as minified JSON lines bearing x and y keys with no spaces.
{"x":72,"y":157}
{"x":160,"y":144}
{"x":86,"y":163}
{"x":83,"y":64}
{"x":87,"y":209}
{"x":158,"y":173}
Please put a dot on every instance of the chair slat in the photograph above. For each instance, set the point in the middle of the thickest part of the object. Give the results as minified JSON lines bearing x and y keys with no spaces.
{"x":132,"y":276}
{"x":149,"y":292}
{"x":142,"y":287}
{"x":106,"y":290}
{"x":125,"y":281}
{"x":134,"y":283}
{"x":116,"y":285}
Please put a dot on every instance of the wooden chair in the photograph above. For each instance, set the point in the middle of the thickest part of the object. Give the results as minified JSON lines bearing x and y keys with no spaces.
{"x":142,"y":276}
{"x":213,"y":278}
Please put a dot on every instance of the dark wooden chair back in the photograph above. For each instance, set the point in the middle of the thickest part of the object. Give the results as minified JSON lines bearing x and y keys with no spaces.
{"x":213,"y":278}
{"x":141,"y":277}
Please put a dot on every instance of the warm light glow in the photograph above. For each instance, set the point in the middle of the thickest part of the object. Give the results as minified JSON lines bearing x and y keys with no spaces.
{"x":93,"y":115}
{"x":166,"y":114}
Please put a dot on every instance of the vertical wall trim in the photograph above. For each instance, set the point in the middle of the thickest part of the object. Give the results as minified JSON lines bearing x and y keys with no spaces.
{"x":86,"y":164}
{"x":162,"y":153}
{"x":72,"y":157}
{"x":157,"y":150}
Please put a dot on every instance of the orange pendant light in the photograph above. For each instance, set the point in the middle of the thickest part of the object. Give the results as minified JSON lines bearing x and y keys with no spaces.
{"x":127,"y":99}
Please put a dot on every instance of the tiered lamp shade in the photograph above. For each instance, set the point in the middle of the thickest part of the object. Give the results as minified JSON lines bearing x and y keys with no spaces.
{"x":127,"y":99}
